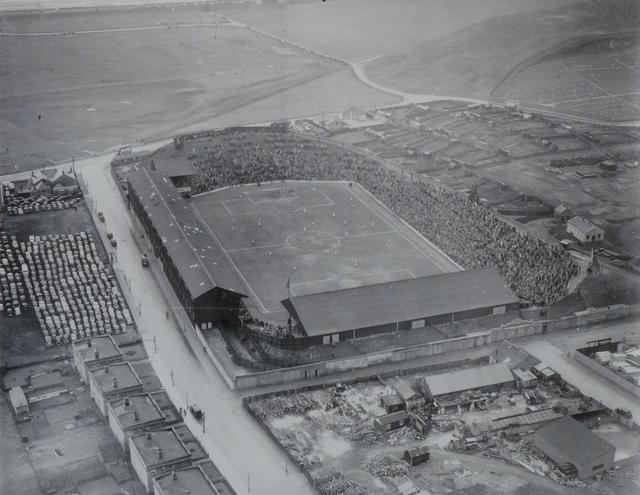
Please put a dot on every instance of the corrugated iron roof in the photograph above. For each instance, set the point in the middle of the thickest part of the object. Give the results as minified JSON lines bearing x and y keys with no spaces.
{"x":574,"y":440}
{"x":468,"y":379}
{"x":402,"y":300}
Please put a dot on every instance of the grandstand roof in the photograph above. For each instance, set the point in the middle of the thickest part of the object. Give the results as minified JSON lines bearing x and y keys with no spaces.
{"x":172,"y":165}
{"x":200,"y":261}
{"x":468,"y":379}
{"x":402,"y":300}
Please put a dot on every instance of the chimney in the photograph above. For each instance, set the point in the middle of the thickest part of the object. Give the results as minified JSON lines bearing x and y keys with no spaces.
{"x":148,"y":435}
{"x":96,"y":354}
{"x":126,"y":401}
{"x":89,"y":343}
{"x":160,"y":453}
{"x":135,"y":416}
{"x":115,"y":382}
{"x":106,"y":369}
{"x":174,"y":476}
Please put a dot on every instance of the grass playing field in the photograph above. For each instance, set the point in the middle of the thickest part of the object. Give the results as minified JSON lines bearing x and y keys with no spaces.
{"x":319,"y":235}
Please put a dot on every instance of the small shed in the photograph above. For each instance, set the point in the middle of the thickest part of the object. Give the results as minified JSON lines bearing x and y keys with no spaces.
{"x":390,"y":422}
{"x":524,"y":378}
{"x":391,"y":403}
{"x":19,"y":402}
{"x":543,"y":372}
{"x":561,"y":214}
{"x":416,"y":455}
{"x":409,"y":395}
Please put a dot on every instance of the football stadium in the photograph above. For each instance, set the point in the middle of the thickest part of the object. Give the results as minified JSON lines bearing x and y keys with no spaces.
{"x":298,"y":240}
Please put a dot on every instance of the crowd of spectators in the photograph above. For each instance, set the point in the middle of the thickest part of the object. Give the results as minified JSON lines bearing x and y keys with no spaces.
{"x":471,"y":234}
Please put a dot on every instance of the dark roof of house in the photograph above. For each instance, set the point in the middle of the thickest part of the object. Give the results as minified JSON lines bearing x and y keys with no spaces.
{"x":402,"y":300}
{"x":574,"y":440}
{"x":200,"y":261}
{"x":66,"y":181}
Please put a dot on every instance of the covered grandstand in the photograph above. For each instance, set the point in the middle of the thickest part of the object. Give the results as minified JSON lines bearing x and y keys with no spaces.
{"x":401,"y":305}
{"x":195,"y":266}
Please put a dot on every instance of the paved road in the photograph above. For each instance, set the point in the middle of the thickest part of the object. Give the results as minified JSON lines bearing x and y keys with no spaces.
{"x":243,"y":452}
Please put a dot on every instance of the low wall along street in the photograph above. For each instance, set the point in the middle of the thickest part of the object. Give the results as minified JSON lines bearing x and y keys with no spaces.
{"x":481,"y":338}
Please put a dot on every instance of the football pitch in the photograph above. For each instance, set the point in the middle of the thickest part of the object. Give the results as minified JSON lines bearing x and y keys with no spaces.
{"x":312,"y":236}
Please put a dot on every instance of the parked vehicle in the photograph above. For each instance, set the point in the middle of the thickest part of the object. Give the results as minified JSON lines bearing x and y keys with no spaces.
{"x":114,"y":243}
{"x":144,"y":260}
{"x":101,"y":216}
{"x":196,"y":412}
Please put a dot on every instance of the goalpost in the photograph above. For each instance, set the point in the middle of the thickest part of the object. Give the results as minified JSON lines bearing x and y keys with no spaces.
{"x":272,"y":192}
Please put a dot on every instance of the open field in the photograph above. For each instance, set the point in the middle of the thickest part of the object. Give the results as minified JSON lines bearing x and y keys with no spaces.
{"x":588,"y":77}
{"x":464,"y":63}
{"x":98,"y":79}
{"x":319,"y":235}
{"x":355,"y":29}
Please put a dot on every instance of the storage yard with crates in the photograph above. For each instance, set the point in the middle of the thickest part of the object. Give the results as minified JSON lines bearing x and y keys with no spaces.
{"x":446,"y":431}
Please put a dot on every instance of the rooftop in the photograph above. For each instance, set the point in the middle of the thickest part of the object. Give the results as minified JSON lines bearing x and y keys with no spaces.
{"x":419,"y":450}
{"x":96,"y":348}
{"x":159,"y":446}
{"x":196,"y":255}
{"x":403,"y":300}
{"x":528,"y":418}
{"x":17,"y":397}
{"x":514,"y":356}
{"x":115,"y":376}
{"x":392,"y":417}
{"x":171,"y":164}
{"x":403,"y":388}
{"x":584,"y":225}
{"x":574,"y":440}
{"x":391,"y":400}
{"x":136,"y":410}
{"x":468,"y":379}
{"x":189,"y":480}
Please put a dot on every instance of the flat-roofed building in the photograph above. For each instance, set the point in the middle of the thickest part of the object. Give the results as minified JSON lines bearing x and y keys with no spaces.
{"x":132,"y":414}
{"x":112,"y":382}
{"x":95,"y":352}
{"x":154,"y":453}
{"x":187,"y":480}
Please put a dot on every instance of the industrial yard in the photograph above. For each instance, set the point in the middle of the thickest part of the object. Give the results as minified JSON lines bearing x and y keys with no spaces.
{"x":363,"y":437}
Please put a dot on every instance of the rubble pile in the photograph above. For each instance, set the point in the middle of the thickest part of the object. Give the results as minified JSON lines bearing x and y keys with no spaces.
{"x":279,"y":406}
{"x":336,"y":483}
{"x":385,"y":467}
